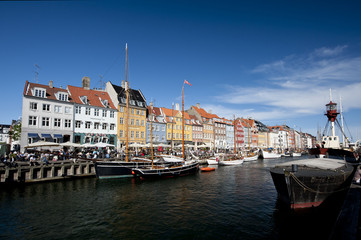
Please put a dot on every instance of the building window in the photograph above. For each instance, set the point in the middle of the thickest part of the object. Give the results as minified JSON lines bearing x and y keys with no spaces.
{"x":32,"y":121}
{"x":105,"y":113}
{"x":77,"y":124}
{"x":96,"y":125}
{"x":132,"y":122}
{"x":45,"y":122}
{"x":137,"y":122}
{"x":111,"y":114}
{"x":33,"y":106}
{"x":57,"y":109}
{"x":67,"y":109}
{"x":121,"y":120}
{"x":87,"y":111}
{"x":104,"y":126}
{"x":39,"y":93}
{"x":121,"y":133}
{"x":137,"y":134}
{"x":78,"y":109}
{"x":46,"y":107}
{"x":132,"y":134}
{"x":67,"y":123}
{"x":87,"y":124}
{"x":96,"y":112}
{"x":63,"y":96}
{"x":142,"y":135}
{"x":112,"y":126}
{"x":57,"y":122}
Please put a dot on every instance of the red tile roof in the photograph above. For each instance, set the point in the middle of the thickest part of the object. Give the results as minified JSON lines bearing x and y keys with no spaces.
{"x":204,"y":113}
{"x":94,"y":96}
{"x":50,"y":92}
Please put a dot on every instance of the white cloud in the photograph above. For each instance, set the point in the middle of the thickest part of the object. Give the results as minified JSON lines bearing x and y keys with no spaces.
{"x":294,"y":85}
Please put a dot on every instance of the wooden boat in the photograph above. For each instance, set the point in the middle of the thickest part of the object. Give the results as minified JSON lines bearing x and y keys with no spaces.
{"x":212,"y":161}
{"x":248,"y":159}
{"x":312,"y":182}
{"x":296,"y":154}
{"x":207,"y":169}
{"x":167,"y":171}
{"x":231,"y":162}
{"x":269,"y":155}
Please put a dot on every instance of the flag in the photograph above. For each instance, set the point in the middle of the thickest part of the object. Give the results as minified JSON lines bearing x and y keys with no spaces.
{"x":186,"y":82}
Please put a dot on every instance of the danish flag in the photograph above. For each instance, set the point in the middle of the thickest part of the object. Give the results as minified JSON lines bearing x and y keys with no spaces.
{"x":186,"y":82}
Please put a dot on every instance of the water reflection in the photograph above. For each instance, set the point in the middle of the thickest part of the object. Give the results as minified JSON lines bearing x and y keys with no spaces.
{"x":230,"y":203}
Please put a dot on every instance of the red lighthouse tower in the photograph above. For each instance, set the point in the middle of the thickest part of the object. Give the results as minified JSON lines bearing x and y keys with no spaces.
{"x":331,"y":111}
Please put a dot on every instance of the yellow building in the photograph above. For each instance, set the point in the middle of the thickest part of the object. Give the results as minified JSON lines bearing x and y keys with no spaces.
{"x":136,"y":117}
{"x":174,"y":118}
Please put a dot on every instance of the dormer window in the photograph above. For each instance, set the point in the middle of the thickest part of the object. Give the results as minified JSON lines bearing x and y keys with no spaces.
{"x":132,"y":102}
{"x":140,"y":104}
{"x":123,"y":100}
{"x":39,"y":92}
{"x":63,"y":96}
{"x":84,"y":99}
{"x":105,"y":103}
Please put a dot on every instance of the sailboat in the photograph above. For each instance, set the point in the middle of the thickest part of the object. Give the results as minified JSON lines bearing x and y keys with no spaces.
{"x":173,"y":168}
{"x":120,"y":169}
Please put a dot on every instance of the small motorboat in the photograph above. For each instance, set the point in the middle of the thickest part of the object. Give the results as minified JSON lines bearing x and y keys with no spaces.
{"x":207,"y":169}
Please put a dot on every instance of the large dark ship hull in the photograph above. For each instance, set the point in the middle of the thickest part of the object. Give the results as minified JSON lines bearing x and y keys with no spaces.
{"x":117,"y":169}
{"x":308,"y":186}
{"x":349,"y":156}
{"x":168,"y":172}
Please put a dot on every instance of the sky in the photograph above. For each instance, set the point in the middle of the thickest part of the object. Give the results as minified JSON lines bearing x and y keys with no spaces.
{"x":274,"y":61}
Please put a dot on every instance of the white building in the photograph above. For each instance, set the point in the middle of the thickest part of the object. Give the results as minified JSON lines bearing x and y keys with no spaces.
{"x":95,"y":116}
{"x":47,"y":114}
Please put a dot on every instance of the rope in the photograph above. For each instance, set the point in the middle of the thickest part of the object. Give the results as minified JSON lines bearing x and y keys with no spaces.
{"x":299,"y":182}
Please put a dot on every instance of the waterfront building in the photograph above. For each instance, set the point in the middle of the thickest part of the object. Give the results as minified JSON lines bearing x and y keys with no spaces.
{"x":174,"y":120}
{"x":250,"y":133}
{"x":239,"y":137}
{"x":159,"y":125}
{"x":95,"y":116}
{"x":136,"y":116}
{"x":263,"y":134}
{"x":229,"y":134}
{"x":47,"y":114}
{"x":4,"y":133}
{"x":208,"y":123}
{"x":220,"y":133}
{"x":197,"y":131}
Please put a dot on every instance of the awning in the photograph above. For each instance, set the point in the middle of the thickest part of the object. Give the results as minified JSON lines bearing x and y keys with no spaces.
{"x":58,"y":136}
{"x":33,"y":135}
{"x":45,"y":135}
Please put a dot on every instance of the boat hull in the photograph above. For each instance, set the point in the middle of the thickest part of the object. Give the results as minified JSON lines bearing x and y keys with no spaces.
{"x":268,"y":155}
{"x":347,"y":155}
{"x":248,"y":159}
{"x":311,"y":187}
{"x":117,"y":169}
{"x":231,"y":162}
{"x":147,"y":173}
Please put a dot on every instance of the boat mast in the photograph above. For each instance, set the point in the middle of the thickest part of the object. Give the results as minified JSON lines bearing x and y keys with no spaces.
{"x":127,"y":106}
{"x":342,"y":127}
{"x":151,"y":131}
{"x":171,"y":139}
{"x":183,"y":120}
{"x":234,"y":134}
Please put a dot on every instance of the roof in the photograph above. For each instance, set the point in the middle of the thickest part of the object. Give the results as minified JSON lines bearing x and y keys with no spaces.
{"x":94,"y":97}
{"x":50,"y":91}
{"x":204,"y":113}
{"x":135,"y":95}
{"x":172,"y":113}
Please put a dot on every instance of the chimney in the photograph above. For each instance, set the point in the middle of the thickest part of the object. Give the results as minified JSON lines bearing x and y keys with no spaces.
{"x":198,"y":105}
{"x":51,"y":84}
{"x":122,"y":84}
{"x":210,"y":111}
{"x":86,"y":83}
{"x":177,"y":106}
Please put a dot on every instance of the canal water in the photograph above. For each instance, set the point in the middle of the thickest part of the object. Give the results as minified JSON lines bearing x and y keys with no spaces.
{"x":233,"y":202}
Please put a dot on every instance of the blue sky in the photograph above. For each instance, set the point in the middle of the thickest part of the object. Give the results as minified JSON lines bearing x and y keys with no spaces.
{"x":274,"y":61}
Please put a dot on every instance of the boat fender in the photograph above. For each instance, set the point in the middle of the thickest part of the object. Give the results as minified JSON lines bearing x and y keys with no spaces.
{"x":294,"y":167}
{"x":133,"y":172}
{"x":216,"y":159}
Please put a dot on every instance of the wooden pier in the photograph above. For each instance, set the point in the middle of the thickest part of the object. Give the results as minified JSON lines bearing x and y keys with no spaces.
{"x":24,"y":173}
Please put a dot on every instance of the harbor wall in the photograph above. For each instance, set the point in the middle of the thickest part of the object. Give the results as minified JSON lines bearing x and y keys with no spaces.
{"x":24,"y":173}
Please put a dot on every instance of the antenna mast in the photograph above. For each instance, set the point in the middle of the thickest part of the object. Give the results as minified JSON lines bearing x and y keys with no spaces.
{"x":37,"y":73}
